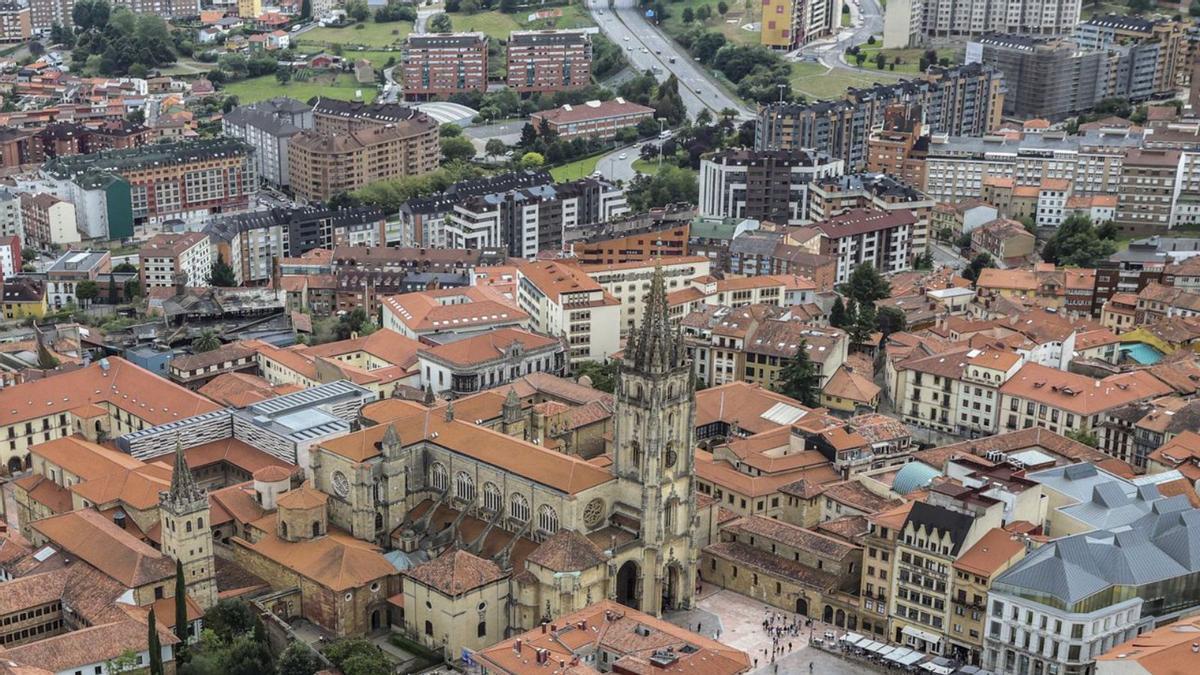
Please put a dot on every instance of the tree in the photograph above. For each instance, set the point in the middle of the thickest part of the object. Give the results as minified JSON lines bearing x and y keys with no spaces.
{"x":508,"y":6}
{"x":229,"y":618}
{"x":133,"y":289}
{"x":357,"y":10}
{"x":602,"y":375}
{"x":880,"y":60}
{"x":306,"y":9}
{"x":923,"y":261}
{"x":283,"y":74}
{"x":495,"y":147}
{"x":528,"y":134}
{"x":722,"y":7}
{"x":1083,"y":436}
{"x":449,"y":130}
{"x":207,"y":341}
{"x":154,"y":645}
{"x":355,"y":321}
{"x":799,"y":378}
{"x":704,"y":13}
{"x":440,"y":23}
{"x":837,"y":314}
{"x":978,"y":263}
{"x":222,"y":275}
{"x":859,"y":59}
{"x":891,"y":320}
{"x":667,"y":102}
{"x":689,"y":15}
{"x":298,"y":659}
{"x":249,"y":656}
{"x":671,"y":185}
{"x":125,"y":662}
{"x":865,"y":323}
{"x":1079,"y":243}
{"x":457,"y":148}
{"x":181,"y":616}
{"x":29,"y":254}
{"x":86,"y":291}
{"x":865,"y":285}
{"x":357,"y":656}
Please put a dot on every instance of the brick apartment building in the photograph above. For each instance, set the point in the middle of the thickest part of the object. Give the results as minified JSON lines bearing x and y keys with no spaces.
{"x":549,"y":60}
{"x":442,"y":64}
{"x":322,"y":164}
{"x":595,"y":119}
{"x":15,"y":23}
{"x":666,"y":243}
{"x":62,"y":139}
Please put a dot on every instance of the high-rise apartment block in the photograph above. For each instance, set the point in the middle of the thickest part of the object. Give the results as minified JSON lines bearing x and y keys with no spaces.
{"x":442,"y":64}
{"x":269,"y":126}
{"x":549,"y":60}
{"x":762,"y":185}
{"x":909,"y":23}
{"x":790,"y":24}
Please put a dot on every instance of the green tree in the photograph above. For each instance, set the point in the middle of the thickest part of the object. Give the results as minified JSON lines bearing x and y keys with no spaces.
{"x":602,"y":375}
{"x":440,"y":23}
{"x":1079,"y":243}
{"x":357,"y":10}
{"x":891,"y":320}
{"x":837,"y":313}
{"x":528,"y":134}
{"x":283,"y":74}
{"x":222,"y":275}
{"x":978,"y":263}
{"x":667,"y":102}
{"x":86,"y":291}
{"x":880,"y":60}
{"x":357,"y":656}
{"x":457,"y":148}
{"x":207,"y":341}
{"x":859,"y":59}
{"x":866,"y":285}
{"x":132,"y":289}
{"x":306,"y":9}
{"x":671,"y":185}
{"x":495,"y":147}
{"x":799,"y":378}
{"x":1083,"y":436}
{"x":532,"y":160}
{"x":355,"y":321}
{"x":229,"y":618}
{"x":249,"y":656}
{"x":181,"y":614}
{"x":449,"y":130}
{"x":864,"y":324}
{"x":704,"y":13}
{"x":298,"y":659}
{"x":154,"y":645}
{"x":722,"y":7}
{"x":689,"y":15}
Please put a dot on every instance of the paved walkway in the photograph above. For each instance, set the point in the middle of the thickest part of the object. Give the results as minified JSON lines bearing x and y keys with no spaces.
{"x":736,"y":620}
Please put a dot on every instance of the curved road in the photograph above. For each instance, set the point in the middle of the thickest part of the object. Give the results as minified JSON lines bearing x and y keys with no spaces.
{"x":868,"y":15}
{"x":646,"y":47}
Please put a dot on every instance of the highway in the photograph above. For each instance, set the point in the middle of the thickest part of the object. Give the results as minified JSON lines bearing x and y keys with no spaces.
{"x":646,"y":47}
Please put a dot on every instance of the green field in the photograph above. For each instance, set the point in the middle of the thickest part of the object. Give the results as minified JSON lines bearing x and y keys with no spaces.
{"x":342,"y":86}
{"x":377,"y":58}
{"x":910,"y":59}
{"x":495,"y":24}
{"x":580,"y":168}
{"x":740,"y":12}
{"x":573,"y":16}
{"x":815,"y":81}
{"x":647,"y":167}
{"x":371,"y":35}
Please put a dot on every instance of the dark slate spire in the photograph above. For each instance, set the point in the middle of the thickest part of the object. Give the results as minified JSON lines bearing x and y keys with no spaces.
{"x":655,"y":346}
{"x":184,"y":489}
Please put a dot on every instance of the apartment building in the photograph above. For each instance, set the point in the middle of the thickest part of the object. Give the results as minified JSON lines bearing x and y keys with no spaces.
{"x":911,"y":23}
{"x":561,"y":299}
{"x":488,"y":361}
{"x":956,"y":166}
{"x":549,"y":60}
{"x":10,"y":256}
{"x":11,"y":222}
{"x":251,"y":242}
{"x":1147,"y":194}
{"x":957,"y":391}
{"x":268,"y":127}
{"x":767,"y":185}
{"x":322,"y":164}
{"x":629,"y":282}
{"x":15,"y":23}
{"x":634,"y":246}
{"x":879,"y":551}
{"x":48,"y":220}
{"x":1169,"y":35}
{"x":525,"y":221}
{"x":1062,"y":401}
{"x":882,"y":239}
{"x":167,"y":257}
{"x":974,"y":570}
{"x":963,"y":100}
{"x":444,"y":64}
{"x":898,"y":147}
{"x":791,"y":24}
{"x":449,"y":314}
{"x":335,"y":116}
{"x":45,"y":13}
{"x":72,"y":138}
{"x":63,"y":277}
{"x":829,"y":197}
{"x":600,"y":120}
{"x":1005,"y":240}
{"x":189,"y":180}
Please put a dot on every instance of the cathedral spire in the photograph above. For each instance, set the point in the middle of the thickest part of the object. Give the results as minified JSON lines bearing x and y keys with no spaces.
{"x":183,"y":485}
{"x":654,"y":346}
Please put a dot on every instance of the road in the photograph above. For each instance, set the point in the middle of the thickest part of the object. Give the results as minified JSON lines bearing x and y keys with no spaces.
{"x":868,"y":21}
{"x":391,"y":89}
{"x":612,"y":167}
{"x":646,"y":48}
{"x":945,"y":255}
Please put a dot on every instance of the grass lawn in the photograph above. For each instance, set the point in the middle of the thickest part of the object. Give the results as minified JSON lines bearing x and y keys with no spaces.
{"x":847,"y":20}
{"x":342,"y":86}
{"x":573,"y":16}
{"x":910,"y":59}
{"x":377,"y":58}
{"x":648,"y":167}
{"x":814,"y":81}
{"x":740,"y":12}
{"x":372,"y":35}
{"x":496,"y":24}
{"x":580,"y":168}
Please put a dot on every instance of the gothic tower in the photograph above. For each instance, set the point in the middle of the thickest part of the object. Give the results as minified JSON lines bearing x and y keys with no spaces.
{"x":186,"y":537}
{"x":653,"y":442}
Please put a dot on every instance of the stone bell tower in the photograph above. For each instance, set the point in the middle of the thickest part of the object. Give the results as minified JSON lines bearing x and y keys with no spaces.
{"x":186,"y":534}
{"x":653,"y":442}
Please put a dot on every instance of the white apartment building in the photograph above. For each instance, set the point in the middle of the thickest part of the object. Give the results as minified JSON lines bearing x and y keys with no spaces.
{"x":166,"y":255}
{"x":10,"y":216}
{"x":1037,"y":395}
{"x":910,"y":23}
{"x":882,"y":239}
{"x":630,"y":282}
{"x":562,"y":300}
{"x":762,"y":185}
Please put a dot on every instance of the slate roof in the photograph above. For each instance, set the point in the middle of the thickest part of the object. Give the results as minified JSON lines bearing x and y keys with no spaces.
{"x":943,"y":520}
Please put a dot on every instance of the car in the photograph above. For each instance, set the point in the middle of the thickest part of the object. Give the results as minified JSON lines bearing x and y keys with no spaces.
{"x":658,"y":51}
{"x":627,"y":38}
{"x":645,"y":51}
{"x":671,"y":60}
{"x":622,"y":156}
{"x":629,"y":48}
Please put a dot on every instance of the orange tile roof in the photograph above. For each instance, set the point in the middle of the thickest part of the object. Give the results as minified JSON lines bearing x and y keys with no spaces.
{"x":556,"y":278}
{"x":302,"y":498}
{"x":336,"y":561}
{"x":422,"y":312}
{"x":847,"y":384}
{"x":241,"y":390}
{"x":1166,"y":650}
{"x":105,"y":546}
{"x":488,"y":346}
{"x":1081,"y":394}
{"x":993,"y":550}
{"x":1023,"y":280}
{"x":455,"y":572}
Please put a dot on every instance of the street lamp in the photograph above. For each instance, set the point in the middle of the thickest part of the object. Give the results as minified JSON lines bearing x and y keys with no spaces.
{"x":781,"y":88}
{"x":661,"y":122}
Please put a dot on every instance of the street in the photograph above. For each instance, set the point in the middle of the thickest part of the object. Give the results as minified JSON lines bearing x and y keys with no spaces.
{"x":868,"y":16}
{"x":646,"y":48}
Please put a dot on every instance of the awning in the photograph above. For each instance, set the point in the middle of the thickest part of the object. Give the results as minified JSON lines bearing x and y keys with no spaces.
{"x":887,"y":649}
{"x":897,"y":655}
{"x":921,"y":635}
{"x":912,"y":658}
{"x":851,"y":638}
{"x":876,"y":647}
{"x":866,"y":645}
{"x":935,"y":668}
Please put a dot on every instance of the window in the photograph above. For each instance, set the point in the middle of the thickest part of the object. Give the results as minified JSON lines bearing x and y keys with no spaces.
{"x":464,"y":486}
{"x":481,"y":629}
{"x":316,"y":528}
{"x":437,"y":477}
{"x":429,"y":628}
{"x":518,"y":508}
{"x":547,"y":519}
{"x":492,"y":499}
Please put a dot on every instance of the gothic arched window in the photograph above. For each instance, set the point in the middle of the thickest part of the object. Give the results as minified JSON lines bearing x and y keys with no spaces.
{"x":437,"y":477}
{"x":518,"y":508}
{"x":464,"y":486}
{"x":547,"y":519}
{"x":492,"y":499}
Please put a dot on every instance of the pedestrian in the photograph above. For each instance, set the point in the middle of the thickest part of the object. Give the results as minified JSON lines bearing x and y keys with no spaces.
{"x":756,"y":663}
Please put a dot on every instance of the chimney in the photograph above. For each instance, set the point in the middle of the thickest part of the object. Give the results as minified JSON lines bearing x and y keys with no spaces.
{"x":517,"y":646}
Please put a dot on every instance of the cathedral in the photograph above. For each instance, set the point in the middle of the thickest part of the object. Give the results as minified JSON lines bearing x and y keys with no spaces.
{"x":486,"y":524}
